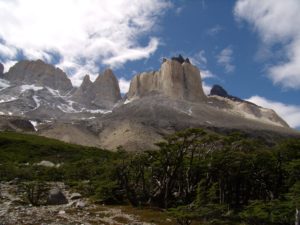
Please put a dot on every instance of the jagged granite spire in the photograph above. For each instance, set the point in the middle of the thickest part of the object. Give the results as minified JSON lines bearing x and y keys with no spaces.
{"x":177,"y":79}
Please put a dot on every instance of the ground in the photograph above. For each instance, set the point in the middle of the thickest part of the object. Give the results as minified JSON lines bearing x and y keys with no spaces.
{"x":13,"y":211}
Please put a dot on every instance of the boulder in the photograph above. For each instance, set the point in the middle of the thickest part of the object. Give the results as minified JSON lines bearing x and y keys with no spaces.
{"x":179,"y":81}
{"x":80,"y":204}
{"x":56,"y":197}
{"x":75,"y":196}
{"x":46,"y":163}
{"x":39,"y":73}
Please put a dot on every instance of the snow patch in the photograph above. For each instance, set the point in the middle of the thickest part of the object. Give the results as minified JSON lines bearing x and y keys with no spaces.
{"x":98,"y":111}
{"x":33,"y":87}
{"x":67,"y":109}
{"x":190,"y":112}
{"x":37,"y":102}
{"x":128,"y":101}
{"x":6,"y":99}
{"x":34,"y":124}
{"x":55,"y":93}
{"x":4,"y":84}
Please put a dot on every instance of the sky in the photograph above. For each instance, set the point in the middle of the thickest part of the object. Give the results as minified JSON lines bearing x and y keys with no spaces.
{"x":250,"y":47}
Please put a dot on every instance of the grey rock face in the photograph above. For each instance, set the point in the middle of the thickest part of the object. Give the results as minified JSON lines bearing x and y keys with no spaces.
{"x":1,"y":69}
{"x":175,"y":80}
{"x":103,"y":93}
{"x":39,"y":73}
{"x":218,"y":90}
{"x":11,"y":123}
{"x":56,"y":197}
{"x":107,"y":89}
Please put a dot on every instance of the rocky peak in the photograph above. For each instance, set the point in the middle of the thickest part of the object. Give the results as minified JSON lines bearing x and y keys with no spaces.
{"x":218,"y":90}
{"x":107,"y":88}
{"x":86,"y":83}
{"x":39,"y":73}
{"x":1,"y":69}
{"x":103,"y":93}
{"x":180,"y":59}
{"x":177,"y":79}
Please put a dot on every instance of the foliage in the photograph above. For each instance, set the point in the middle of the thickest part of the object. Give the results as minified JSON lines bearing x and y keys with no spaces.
{"x":203,"y":176}
{"x":35,"y":192}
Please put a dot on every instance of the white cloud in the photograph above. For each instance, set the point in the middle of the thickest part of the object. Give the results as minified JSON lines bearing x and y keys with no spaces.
{"x":206,"y":88}
{"x":199,"y":59}
{"x":86,"y":33}
{"x":290,"y":113}
{"x":225,"y":59}
{"x":124,"y":85}
{"x":7,"y":51}
{"x":8,"y":64}
{"x":214,"y":30}
{"x":277,"y":22}
{"x":206,"y":74}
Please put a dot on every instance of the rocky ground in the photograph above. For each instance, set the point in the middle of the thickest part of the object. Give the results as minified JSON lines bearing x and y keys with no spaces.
{"x":13,"y":211}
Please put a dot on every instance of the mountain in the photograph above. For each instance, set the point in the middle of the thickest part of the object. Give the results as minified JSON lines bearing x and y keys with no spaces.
{"x":103,"y":93}
{"x":157,"y":103}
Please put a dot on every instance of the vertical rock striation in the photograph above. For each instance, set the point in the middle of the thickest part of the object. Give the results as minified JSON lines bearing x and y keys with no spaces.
{"x":103,"y":93}
{"x":181,"y":81}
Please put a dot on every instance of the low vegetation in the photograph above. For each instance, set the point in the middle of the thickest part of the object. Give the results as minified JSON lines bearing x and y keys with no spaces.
{"x":196,"y":176}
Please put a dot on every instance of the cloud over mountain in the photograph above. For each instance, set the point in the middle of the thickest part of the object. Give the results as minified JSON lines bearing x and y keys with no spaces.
{"x":291,"y":113}
{"x":79,"y":35}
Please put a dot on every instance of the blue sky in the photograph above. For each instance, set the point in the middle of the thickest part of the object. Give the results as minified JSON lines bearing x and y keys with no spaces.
{"x":250,"y":48}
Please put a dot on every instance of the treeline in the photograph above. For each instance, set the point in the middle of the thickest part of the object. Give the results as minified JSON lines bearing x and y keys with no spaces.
{"x":216,"y":179}
{"x":196,"y":175}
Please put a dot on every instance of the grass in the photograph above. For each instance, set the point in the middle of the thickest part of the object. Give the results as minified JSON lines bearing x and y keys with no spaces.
{"x":23,"y":148}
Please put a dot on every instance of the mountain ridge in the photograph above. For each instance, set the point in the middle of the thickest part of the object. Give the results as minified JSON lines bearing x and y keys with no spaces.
{"x":157,"y":103}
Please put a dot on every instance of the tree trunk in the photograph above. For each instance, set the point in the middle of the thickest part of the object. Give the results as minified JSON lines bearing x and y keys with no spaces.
{"x":297,"y":217}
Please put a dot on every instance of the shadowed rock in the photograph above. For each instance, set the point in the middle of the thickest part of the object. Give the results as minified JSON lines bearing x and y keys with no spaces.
{"x":56,"y":197}
{"x":220,"y":91}
{"x":1,"y":69}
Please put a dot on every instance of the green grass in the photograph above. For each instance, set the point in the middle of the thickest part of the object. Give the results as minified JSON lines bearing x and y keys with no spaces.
{"x":26,"y":148}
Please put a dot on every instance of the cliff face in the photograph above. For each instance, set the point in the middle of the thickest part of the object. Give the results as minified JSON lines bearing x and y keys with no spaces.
{"x":103,"y":93}
{"x":180,"y":81}
{"x":39,"y":73}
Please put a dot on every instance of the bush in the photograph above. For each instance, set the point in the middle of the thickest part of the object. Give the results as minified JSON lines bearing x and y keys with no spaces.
{"x":35,"y":192}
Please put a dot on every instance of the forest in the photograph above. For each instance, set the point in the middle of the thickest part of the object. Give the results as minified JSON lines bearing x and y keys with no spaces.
{"x":196,"y":176}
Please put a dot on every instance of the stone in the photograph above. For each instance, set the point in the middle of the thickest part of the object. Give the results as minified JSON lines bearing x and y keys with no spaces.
{"x":75,"y":196}
{"x":39,"y":73}
{"x":80,"y":204}
{"x":175,"y":80}
{"x":56,"y":197}
{"x":46,"y":163}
